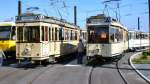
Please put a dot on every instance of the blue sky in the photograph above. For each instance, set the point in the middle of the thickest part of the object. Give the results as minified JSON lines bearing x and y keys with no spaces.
{"x":129,"y":10}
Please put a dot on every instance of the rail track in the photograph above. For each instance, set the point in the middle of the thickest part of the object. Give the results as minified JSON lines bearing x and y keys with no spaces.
{"x":120,"y":73}
{"x":40,"y":73}
{"x":117,"y":67}
{"x":90,"y":75}
{"x":120,"y":66}
{"x":23,"y":72}
{"x":125,"y":70}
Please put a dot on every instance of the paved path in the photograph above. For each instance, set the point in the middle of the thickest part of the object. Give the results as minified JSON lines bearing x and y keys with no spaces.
{"x":129,"y":73}
{"x":66,"y":73}
{"x":106,"y":74}
{"x":144,"y":69}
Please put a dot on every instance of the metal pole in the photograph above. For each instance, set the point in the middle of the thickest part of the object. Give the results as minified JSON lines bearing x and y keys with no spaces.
{"x":19,"y":8}
{"x":139,"y":30}
{"x":138,"y":23}
{"x":149,"y":21}
{"x":75,"y":15}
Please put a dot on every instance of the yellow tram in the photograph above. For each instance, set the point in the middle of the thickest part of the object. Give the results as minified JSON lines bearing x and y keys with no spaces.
{"x":7,"y":39}
{"x":41,"y":37}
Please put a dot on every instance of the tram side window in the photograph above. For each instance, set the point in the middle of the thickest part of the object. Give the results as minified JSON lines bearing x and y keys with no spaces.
{"x":143,"y":36}
{"x":71,"y":35}
{"x":137,"y":35}
{"x":85,"y":36}
{"x":52,"y":34}
{"x":121,"y":34}
{"x":49,"y":34}
{"x":118,"y":35}
{"x":112,"y":35}
{"x":61,"y":34}
{"x":42,"y":33}
{"x":46,"y":33}
{"x":13,"y":33}
{"x":28,"y":34}
{"x":146,"y":36}
{"x":64,"y":34}
{"x":130,"y":34}
{"x":20,"y":34}
{"x":55,"y":34}
{"x":75,"y":35}
{"x":67,"y":35}
{"x":33,"y":34}
{"x":126,"y":35}
{"x":133,"y":35}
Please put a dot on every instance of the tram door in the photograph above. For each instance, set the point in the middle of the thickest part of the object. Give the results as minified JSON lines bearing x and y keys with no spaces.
{"x":45,"y":41}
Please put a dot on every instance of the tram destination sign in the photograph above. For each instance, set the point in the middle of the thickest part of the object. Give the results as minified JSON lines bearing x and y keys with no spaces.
{"x":101,"y":20}
{"x":30,"y":18}
{"x":104,"y":20}
{"x":95,"y":21}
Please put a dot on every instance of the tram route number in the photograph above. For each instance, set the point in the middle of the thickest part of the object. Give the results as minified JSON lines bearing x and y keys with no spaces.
{"x":108,"y":19}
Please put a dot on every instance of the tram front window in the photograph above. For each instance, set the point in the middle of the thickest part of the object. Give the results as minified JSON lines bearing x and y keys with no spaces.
{"x":98,"y":34}
{"x":28,"y":34}
{"x":5,"y":32}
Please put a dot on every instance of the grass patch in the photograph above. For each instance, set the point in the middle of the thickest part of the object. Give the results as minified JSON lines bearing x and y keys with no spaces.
{"x":143,"y":58}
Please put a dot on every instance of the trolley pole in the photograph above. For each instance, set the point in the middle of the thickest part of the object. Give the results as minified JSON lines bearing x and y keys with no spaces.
{"x":149,"y":21}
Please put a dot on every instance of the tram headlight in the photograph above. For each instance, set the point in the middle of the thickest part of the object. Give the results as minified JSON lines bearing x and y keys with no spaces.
{"x":17,"y":54}
{"x":38,"y":54}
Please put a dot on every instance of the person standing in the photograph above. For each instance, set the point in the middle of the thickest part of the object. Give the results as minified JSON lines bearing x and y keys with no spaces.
{"x":2,"y":57}
{"x":80,"y":49}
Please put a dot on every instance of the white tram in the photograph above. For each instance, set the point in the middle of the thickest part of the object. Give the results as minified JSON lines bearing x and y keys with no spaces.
{"x":83,"y":36}
{"x":138,"y":40}
{"x":106,"y":37}
{"x":44,"y":38}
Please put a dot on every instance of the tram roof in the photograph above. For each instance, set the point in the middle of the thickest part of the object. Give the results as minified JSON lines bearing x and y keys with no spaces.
{"x":101,"y":19}
{"x":137,"y":31}
{"x":31,"y":17}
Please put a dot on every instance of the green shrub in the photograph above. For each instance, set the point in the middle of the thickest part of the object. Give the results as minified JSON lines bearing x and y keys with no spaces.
{"x":144,"y":57}
{"x":146,"y":53}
